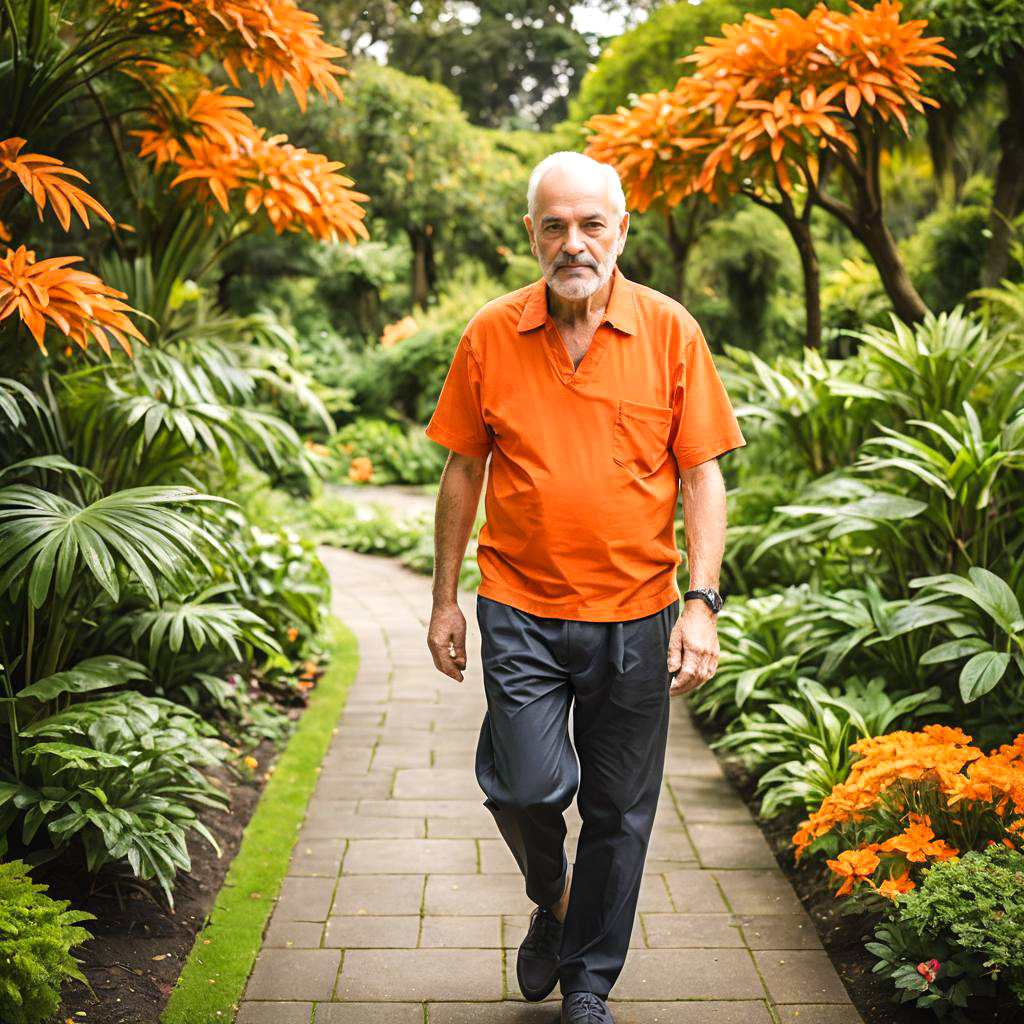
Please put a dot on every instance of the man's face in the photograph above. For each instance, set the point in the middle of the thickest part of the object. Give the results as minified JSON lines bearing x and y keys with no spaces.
{"x":576,"y":237}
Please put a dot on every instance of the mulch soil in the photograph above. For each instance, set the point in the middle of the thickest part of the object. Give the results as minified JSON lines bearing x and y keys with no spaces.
{"x":139,"y":947}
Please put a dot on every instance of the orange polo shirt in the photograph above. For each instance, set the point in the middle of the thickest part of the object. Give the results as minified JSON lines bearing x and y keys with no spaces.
{"x":584,"y":471}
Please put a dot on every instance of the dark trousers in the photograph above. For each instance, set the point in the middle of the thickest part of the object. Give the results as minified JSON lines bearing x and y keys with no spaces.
{"x":615,"y":677}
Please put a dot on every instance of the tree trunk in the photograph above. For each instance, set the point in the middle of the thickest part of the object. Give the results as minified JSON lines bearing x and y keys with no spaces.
{"x":948,"y":171}
{"x":800,"y":231}
{"x":877,"y":239}
{"x":1008,"y":198}
{"x":424,"y":273}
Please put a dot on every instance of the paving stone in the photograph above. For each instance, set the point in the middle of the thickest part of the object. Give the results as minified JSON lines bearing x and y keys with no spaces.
{"x":300,"y":934}
{"x":508,"y":1012}
{"x":671,"y":843}
{"x":689,"y":974}
{"x":439,"y":808}
{"x":474,"y":826}
{"x":353,"y":785}
{"x":424,"y":783}
{"x":699,"y":1012}
{"x":405,"y":975}
{"x":461,"y":932}
{"x":401,"y":856}
{"x":800,"y":976}
{"x":402,"y":757}
{"x":708,"y":800}
{"x":368,"y":931}
{"x":695,"y":892}
{"x":758,"y":892}
{"x":681,"y":931}
{"x":378,"y":894}
{"x":495,"y":857}
{"x":293,"y":974}
{"x":780,"y":931}
{"x":304,"y":899}
{"x":368,"y":1013}
{"x":477,"y":894}
{"x":321,"y":823}
{"x":654,"y":895}
{"x":810,"y":1013}
{"x":731,"y":846}
{"x":273,"y":1013}
{"x":306,"y":860}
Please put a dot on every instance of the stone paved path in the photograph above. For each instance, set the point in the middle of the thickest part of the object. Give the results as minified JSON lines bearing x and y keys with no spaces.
{"x":402,"y":905}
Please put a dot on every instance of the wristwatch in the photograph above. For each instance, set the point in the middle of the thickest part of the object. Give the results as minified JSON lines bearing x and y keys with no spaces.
{"x":712,"y":598}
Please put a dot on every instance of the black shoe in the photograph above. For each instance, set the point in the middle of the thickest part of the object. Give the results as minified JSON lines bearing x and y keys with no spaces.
{"x":585,"y":1008}
{"x":537,"y":964}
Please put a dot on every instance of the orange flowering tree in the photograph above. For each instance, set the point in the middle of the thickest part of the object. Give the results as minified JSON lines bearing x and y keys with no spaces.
{"x":219,"y":175}
{"x":776,"y":109}
{"x":914,"y":798}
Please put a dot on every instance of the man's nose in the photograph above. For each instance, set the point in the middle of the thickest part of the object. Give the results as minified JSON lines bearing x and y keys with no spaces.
{"x":574,"y":241}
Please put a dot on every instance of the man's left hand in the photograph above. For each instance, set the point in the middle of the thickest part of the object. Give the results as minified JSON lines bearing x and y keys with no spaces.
{"x":693,"y":648}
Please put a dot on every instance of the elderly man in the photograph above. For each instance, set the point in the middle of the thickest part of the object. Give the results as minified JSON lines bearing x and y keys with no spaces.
{"x":593,"y":397}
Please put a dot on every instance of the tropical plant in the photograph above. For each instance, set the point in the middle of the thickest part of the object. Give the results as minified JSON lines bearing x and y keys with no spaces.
{"x":800,"y":747}
{"x":774,"y":107}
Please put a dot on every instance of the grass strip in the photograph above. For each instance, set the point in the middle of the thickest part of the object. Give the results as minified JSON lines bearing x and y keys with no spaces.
{"x":218,"y":966}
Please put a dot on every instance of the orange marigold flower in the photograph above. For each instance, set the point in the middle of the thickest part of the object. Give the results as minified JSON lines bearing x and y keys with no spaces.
{"x":854,"y":866}
{"x":917,"y":843}
{"x":892,"y":887}
{"x":361,"y":469}
{"x":43,"y":178}
{"x":77,"y":303}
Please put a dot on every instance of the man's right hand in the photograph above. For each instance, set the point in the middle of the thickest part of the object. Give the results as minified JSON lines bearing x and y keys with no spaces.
{"x":446,"y":638}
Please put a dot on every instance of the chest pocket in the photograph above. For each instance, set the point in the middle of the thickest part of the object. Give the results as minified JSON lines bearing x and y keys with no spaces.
{"x":640,"y":437}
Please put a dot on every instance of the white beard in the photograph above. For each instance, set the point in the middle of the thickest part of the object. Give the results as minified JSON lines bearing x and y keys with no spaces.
{"x":579,"y":287}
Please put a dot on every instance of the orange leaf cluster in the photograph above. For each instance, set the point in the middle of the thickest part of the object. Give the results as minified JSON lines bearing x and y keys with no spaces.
{"x":765,"y":98}
{"x":938,"y":767}
{"x":361,"y":469}
{"x":275,"y":40}
{"x":217,"y":146}
{"x":77,"y":303}
{"x":43,"y":177}
{"x":398,"y":331}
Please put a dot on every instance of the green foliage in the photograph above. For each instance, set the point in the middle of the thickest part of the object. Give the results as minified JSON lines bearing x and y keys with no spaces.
{"x":799,"y":746}
{"x":398,"y":455}
{"x":968,"y":914}
{"x":122,"y":774}
{"x":36,"y":937}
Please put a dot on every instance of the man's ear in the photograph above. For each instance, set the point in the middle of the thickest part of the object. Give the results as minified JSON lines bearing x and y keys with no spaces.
{"x":528,"y":222}
{"x":623,"y":231}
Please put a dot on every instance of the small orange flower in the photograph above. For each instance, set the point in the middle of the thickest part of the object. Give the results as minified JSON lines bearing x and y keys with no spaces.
{"x":892,"y":887}
{"x":854,"y":866}
{"x":361,"y":469}
{"x":917,"y":843}
{"x":292,"y":634}
{"x":398,"y":331}
{"x":250,"y":762}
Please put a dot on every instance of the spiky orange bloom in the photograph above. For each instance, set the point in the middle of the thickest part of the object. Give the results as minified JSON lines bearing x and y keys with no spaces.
{"x":217,"y":146}
{"x":893,"y":887}
{"x":765,"y":99}
{"x":181,"y":123}
{"x":77,"y":303}
{"x":43,"y":178}
{"x":273,"y":39}
{"x":918,"y":843}
{"x":854,"y":866}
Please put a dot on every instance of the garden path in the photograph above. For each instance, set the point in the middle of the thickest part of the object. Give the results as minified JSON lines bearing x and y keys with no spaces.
{"x":402,"y":905}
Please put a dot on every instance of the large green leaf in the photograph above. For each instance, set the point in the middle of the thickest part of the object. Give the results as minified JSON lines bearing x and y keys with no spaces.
{"x":981,"y":674}
{"x":91,"y":674}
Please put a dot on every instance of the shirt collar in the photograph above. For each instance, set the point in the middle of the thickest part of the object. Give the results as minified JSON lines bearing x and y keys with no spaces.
{"x":620,"y":311}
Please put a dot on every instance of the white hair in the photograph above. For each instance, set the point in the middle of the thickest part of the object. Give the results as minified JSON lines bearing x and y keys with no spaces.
{"x":575,"y":161}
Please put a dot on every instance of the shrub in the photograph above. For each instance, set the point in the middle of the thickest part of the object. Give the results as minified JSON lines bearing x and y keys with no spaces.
{"x":395,"y":455}
{"x":36,"y":935}
{"x":965,"y":928}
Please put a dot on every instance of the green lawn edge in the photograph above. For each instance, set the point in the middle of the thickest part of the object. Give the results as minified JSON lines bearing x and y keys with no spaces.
{"x":220,"y":961}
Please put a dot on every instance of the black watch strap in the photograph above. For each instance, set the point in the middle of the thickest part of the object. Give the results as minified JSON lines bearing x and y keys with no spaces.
{"x":712,"y":598}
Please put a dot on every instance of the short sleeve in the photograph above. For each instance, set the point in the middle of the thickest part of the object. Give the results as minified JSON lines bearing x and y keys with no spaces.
{"x":707,"y":425}
{"x":457,"y":421}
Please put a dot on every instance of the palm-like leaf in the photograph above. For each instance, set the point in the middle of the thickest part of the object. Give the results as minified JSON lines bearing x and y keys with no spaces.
{"x":47,"y":539}
{"x":205,"y":621}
